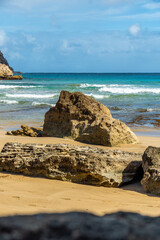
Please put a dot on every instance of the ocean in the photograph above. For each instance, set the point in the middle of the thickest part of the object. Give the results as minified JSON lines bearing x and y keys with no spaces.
{"x":132,"y":98}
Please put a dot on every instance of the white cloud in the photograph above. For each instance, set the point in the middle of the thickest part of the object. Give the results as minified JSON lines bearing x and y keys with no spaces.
{"x":115,"y":2}
{"x":24,"y":4}
{"x":3,"y":38}
{"x":29,"y":38}
{"x":134,"y":29}
{"x":152,"y":6}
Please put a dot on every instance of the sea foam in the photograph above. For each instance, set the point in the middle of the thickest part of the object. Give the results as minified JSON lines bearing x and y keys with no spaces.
{"x":14,"y":86}
{"x":9,"y":101}
{"x":129,"y":90}
{"x":32,"y":96}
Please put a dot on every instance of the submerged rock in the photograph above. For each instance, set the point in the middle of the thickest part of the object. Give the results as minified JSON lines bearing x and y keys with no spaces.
{"x":14,"y":77}
{"x":86,"y":165}
{"x":85,"y":119}
{"x":151,"y":168}
{"x":26,"y":131}
{"x":79,"y":226}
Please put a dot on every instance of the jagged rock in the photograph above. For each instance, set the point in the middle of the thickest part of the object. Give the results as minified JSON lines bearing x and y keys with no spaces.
{"x":86,"y":165}
{"x":85,"y":119}
{"x":5,"y":71}
{"x":151,"y":168}
{"x":79,"y":226}
{"x":26,"y":131}
{"x":4,"y":61}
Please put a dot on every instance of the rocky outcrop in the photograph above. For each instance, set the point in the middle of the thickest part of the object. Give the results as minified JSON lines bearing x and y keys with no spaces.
{"x":14,"y":77}
{"x":4,"y":61}
{"x":26,"y":131}
{"x":84,"y":119}
{"x":79,"y":225}
{"x":86,"y":165}
{"x":151,"y":168}
{"x":5,"y":71}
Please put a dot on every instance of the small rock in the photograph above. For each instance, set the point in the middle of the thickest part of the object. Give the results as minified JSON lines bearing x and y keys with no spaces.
{"x":27,"y":131}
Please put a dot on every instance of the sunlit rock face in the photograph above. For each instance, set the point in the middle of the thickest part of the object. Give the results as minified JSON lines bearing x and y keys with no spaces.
{"x":86,"y":120}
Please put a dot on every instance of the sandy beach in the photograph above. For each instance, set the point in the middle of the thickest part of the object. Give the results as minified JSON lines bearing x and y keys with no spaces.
{"x":27,"y":195}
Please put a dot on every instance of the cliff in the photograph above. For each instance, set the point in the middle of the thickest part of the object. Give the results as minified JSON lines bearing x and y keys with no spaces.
{"x":6,"y":72}
{"x":4,"y":61}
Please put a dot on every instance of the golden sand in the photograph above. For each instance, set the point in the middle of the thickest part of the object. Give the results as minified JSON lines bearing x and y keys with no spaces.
{"x":26,"y":195}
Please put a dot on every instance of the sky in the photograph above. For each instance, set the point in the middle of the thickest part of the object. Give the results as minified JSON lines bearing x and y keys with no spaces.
{"x":81,"y":35}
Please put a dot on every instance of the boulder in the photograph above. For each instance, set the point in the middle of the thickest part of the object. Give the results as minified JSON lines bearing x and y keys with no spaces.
{"x":26,"y":131}
{"x":5,"y":71}
{"x":86,"y":120}
{"x":151,"y":168}
{"x":79,"y":226}
{"x":86,"y":165}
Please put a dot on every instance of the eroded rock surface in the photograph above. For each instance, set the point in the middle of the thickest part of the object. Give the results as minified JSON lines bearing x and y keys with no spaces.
{"x":85,"y":119}
{"x":86,"y":165}
{"x":151,"y":168}
{"x":26,"y":131}
{"x":76,"y":226}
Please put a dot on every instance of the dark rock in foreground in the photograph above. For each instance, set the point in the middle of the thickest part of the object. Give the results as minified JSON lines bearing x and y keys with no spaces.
{"x":86,"y":120}
{"x":26,"y":131}
{"x":86,"y":165}
{"x":151,"y":168}
{"x":79,"y":226}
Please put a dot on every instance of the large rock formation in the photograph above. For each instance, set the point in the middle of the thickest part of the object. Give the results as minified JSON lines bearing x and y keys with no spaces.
{"x":4,"y":61}
{"x":84,"y":119}
{"x":6,"y":72}
{"x":151,"y":168}
{"x":86,"y":165}
{"x":79,"y":226}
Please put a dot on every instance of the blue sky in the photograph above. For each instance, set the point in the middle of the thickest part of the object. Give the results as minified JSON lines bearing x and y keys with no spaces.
{"x":81,"y":35}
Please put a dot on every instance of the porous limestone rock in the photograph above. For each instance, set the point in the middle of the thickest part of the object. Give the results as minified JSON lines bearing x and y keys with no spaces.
{"x":79,"y":226}
{"x":86,"y":120}
{"x":5,"y":71}
{"x":151,"y":168}
{"x":26,"y":131}
{"x":80,"y":164}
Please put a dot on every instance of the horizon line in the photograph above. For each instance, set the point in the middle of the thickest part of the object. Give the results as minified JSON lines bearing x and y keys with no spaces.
{"x":89,"y":72}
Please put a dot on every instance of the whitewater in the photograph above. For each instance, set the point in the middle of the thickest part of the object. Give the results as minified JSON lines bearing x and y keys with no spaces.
{"x":133,"y":98}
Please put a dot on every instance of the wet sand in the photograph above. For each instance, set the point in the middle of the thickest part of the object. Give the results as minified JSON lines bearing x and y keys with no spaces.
{"x":26,"y":195}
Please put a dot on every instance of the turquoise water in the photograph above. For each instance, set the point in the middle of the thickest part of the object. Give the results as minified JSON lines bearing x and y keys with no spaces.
{"x":133,"y":98}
